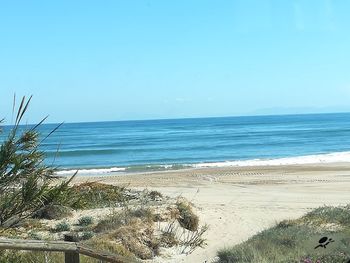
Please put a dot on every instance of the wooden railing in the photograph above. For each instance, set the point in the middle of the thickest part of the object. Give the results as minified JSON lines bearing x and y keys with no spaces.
{"x":71,"y":250}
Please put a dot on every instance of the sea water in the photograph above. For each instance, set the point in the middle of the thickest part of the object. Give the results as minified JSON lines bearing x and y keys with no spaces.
{"x":122,"y":146}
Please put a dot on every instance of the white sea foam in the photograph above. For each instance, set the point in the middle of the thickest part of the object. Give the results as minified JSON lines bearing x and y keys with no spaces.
{"x":338,"y":157}
{"x":91,"y":171}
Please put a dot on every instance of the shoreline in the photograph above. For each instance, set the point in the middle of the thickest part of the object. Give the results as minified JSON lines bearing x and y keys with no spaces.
{"x":238,"y":202}
{"x":315,"y":159}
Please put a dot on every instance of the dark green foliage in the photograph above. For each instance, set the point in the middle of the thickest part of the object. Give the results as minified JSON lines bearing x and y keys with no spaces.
{"x":62,"y":226}
{"x":25,"y":181}
{"x":85,"y":220}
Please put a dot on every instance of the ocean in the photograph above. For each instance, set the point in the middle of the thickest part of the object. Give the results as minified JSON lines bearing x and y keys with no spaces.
{"x":129,"y":146}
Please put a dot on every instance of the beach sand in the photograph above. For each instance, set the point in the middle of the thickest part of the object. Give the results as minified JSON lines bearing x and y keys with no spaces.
{"x":238,"y":202}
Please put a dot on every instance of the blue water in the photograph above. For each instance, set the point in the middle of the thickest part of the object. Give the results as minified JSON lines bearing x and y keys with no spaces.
{"x":137,"y":144}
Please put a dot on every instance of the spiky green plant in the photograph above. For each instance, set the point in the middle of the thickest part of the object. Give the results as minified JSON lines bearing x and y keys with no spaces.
{"x":26,"y":182}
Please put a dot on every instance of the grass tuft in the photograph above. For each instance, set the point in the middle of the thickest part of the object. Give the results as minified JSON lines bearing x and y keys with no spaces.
{"x":295,"y":240}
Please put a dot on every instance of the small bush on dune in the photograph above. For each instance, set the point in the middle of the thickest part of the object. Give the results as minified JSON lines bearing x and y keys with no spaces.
{"x":134,"y":230}
{"x":187,"y":218}
{"x":112,"y":221}
{"x":93,"y":195}
{"x":138,"y":238}
{"x":85,"y":220}
{"x":104,"y":243}
{"x":62,"y":226}
{"x":155,"y":195}
{"x":124,"y":217}
{"x":145,"y":213}
{"x":329,"y":214}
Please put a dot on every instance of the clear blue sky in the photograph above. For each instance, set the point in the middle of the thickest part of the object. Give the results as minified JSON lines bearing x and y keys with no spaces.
{"x":117,"y":60}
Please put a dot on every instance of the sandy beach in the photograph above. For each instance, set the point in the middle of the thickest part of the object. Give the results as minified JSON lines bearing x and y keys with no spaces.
{"x":238,"y":202}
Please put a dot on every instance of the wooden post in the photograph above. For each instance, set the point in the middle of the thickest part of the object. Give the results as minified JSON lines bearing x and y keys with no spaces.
{"x":71,"y":257}
{"x":71,"y":249}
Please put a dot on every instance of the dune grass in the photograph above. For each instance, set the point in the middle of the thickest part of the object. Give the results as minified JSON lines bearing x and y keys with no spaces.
{"x":295,"y":240}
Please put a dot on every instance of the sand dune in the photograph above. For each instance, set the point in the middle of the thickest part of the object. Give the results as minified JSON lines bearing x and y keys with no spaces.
{"x":238,"y":202}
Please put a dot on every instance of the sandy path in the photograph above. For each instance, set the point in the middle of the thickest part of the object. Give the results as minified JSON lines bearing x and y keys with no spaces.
{"x":239,"y":202}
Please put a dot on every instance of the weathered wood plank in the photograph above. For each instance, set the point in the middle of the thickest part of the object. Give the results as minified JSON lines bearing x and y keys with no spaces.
{"x":38,"y":245}
{"x":70,"y":248}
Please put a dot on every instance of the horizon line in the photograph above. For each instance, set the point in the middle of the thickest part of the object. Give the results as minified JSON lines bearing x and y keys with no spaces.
{"x":185,"y":118}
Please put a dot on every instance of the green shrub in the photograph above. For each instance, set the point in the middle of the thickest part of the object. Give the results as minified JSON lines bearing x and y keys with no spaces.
{"x":62,"y":226}
{"x":85,"y":220}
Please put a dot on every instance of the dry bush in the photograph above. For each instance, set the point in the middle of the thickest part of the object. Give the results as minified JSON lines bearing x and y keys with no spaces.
{"x":192,"y":239}
{"x":168,"y":239}
{"x":176,"y":231}
{"x":155,"y":195}
{"x":133,"y":229}
{"x":110,"y":222}
{"x":138,"y":237}
{"x":187,"y":218}
{"x":105,"y":243}
{"x":146,"y":213}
